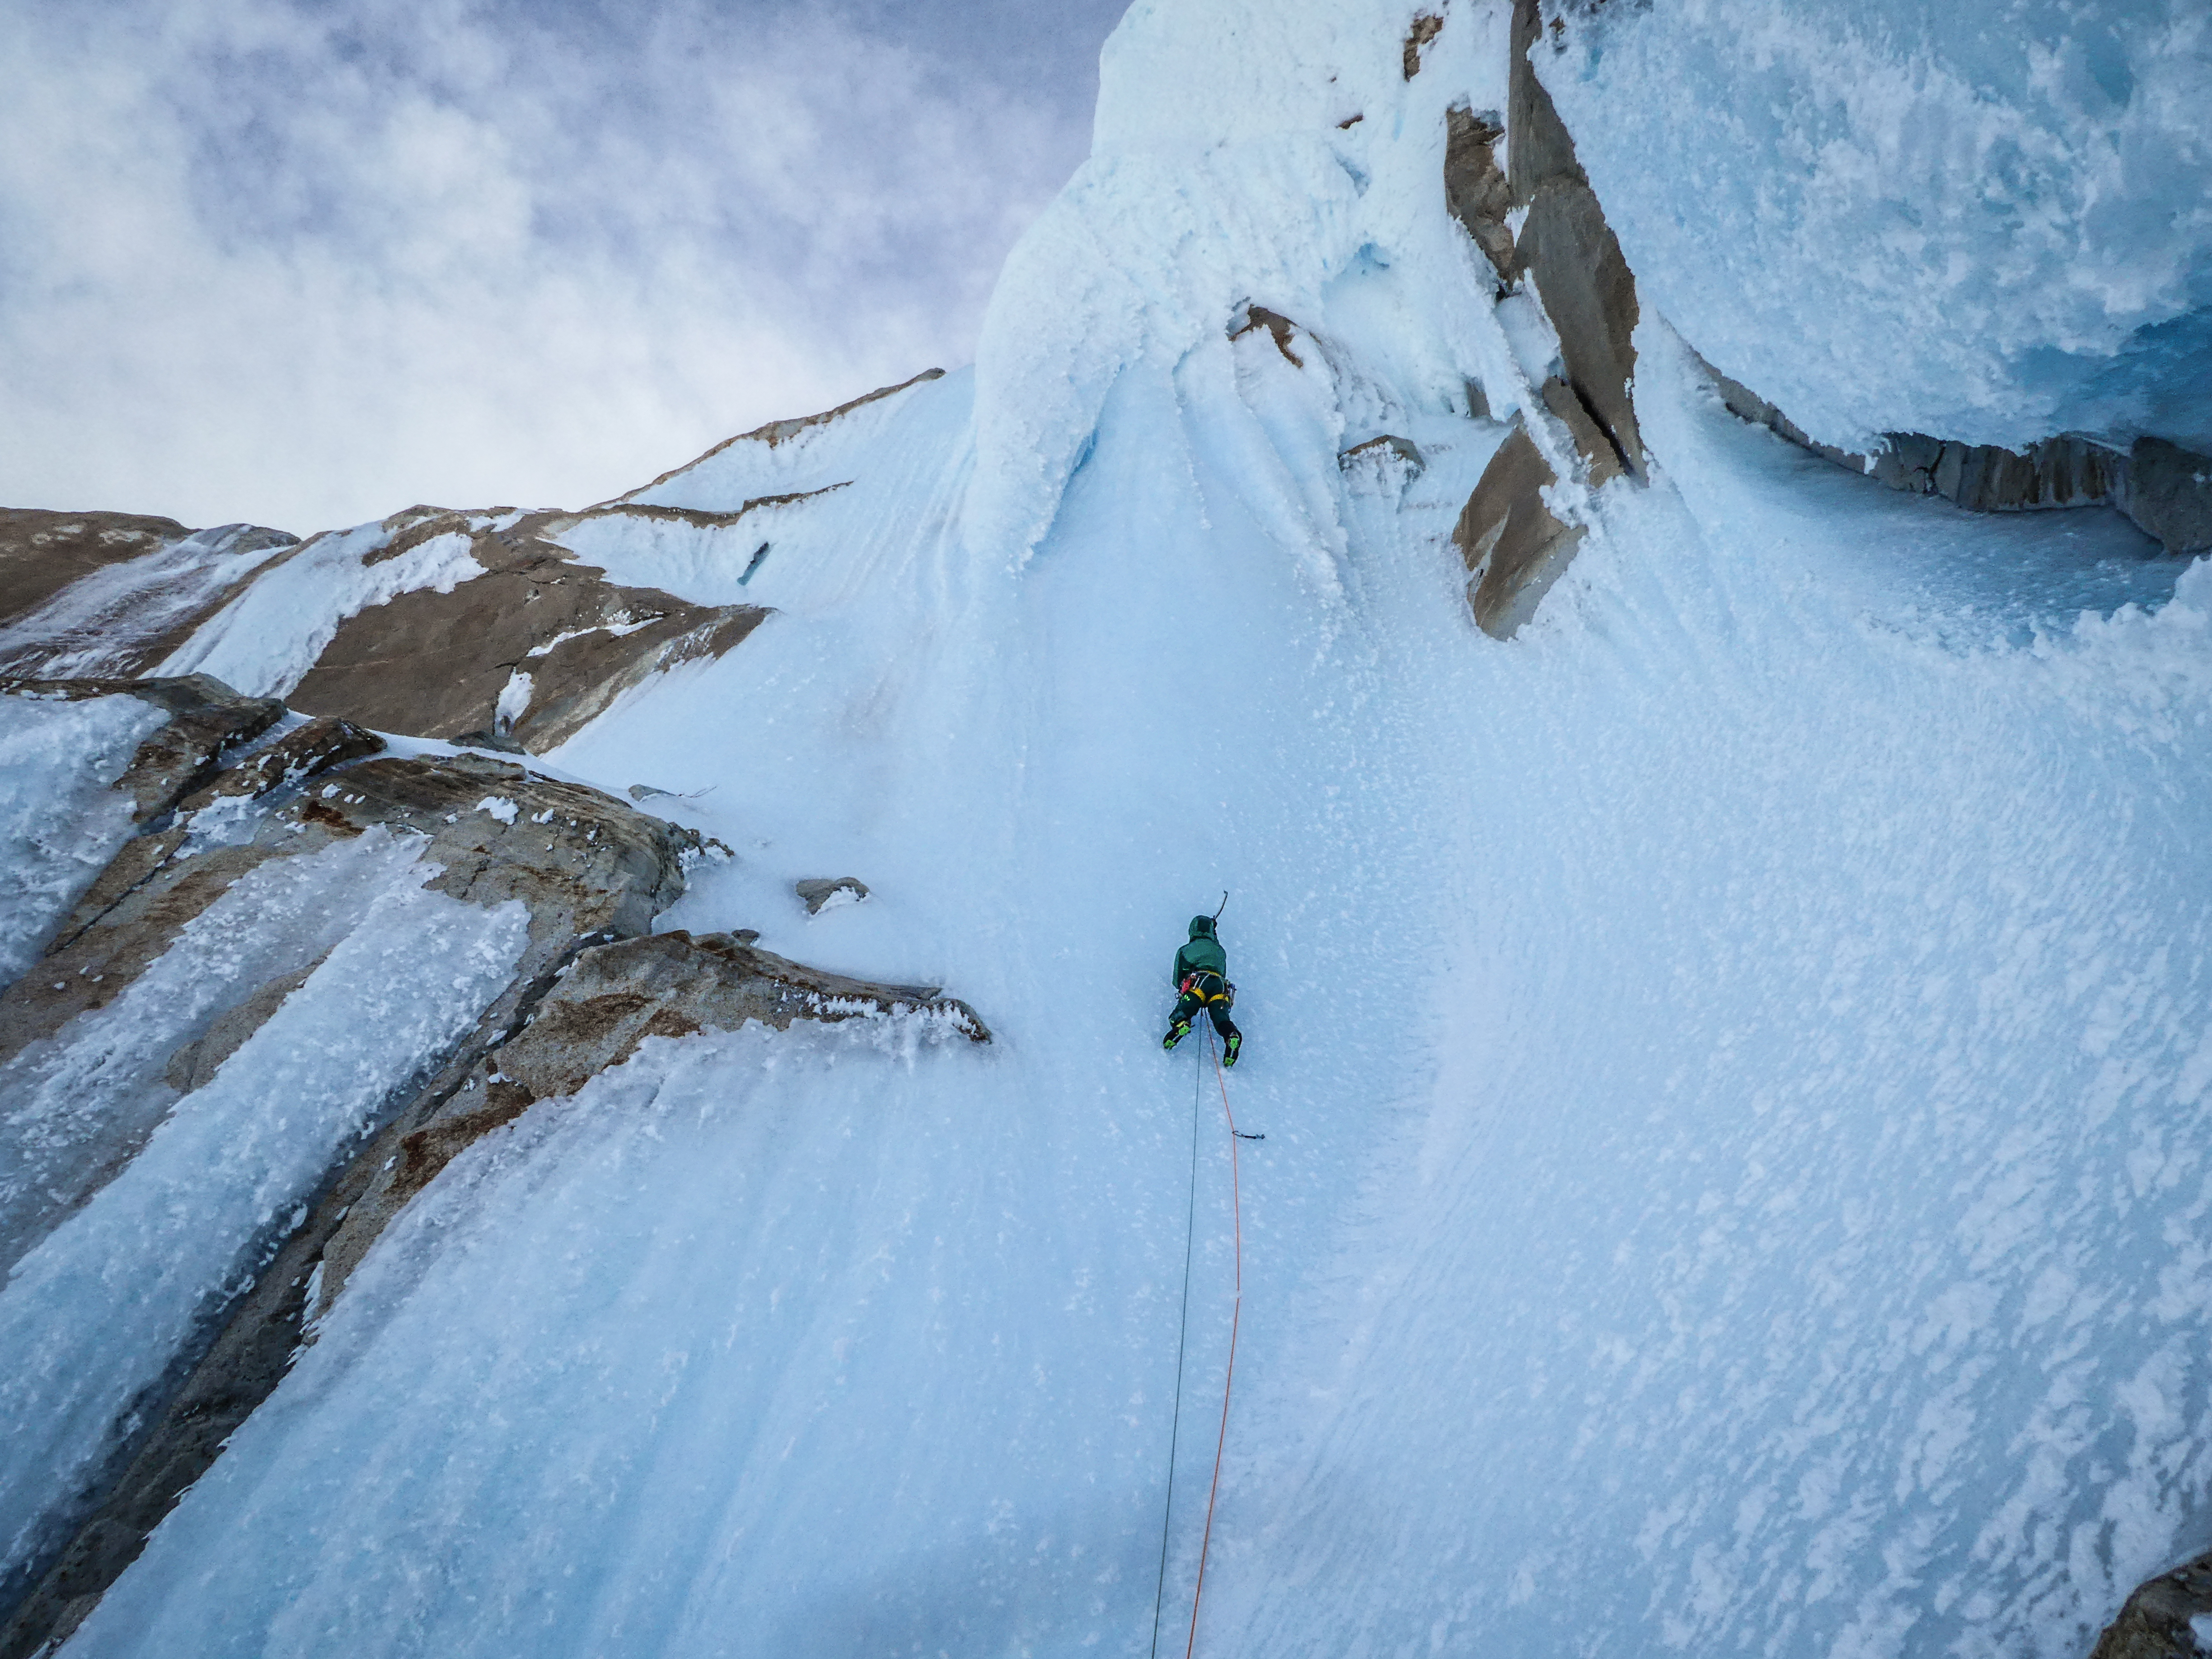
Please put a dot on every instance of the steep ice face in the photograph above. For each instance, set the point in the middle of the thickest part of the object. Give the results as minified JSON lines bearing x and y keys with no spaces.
{"x":1989,"y":222}
{"x":59,"y":821}
{"x":110,"y":1294}
{"x":1246,"y":155}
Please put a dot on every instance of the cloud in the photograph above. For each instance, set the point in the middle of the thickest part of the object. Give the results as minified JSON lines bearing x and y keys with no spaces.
{"x":307,"y":265}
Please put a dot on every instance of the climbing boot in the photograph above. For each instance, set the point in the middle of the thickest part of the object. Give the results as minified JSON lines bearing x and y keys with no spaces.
{"x":1176,"y":1033}
{"x":1235,"y":1043}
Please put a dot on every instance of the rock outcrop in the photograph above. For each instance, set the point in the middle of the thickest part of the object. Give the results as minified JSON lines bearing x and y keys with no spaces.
{"x":1389,"y":446}
{"x":1424,"y":29}
{"x":1279,"y":328}
{"x":609,"y":1000}
{"x":1514,"y":546}
{"x":822,"y":891}
{"x":41,"y":552}
{"x":229,"y":785}
{"x":207,"y":722}
{"x":2155,"y":1621}
{"x":2167,"y":490}
{"x":1514,"y":543}
{"x":1566,"y":248}
{"x":1476,"y":192}
{"x":520,"y":658}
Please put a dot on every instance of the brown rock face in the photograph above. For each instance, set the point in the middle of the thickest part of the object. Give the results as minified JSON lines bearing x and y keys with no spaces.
{"x":613,"y":998}
{"x":1513,"y":547}
{"x":207,"y":719}
{"x":1569,"y":252}
{"x":1279,"y":328}
{"x":1591,"y":297}
{"x":2168,"y":491}
{"x":1425,"y":28}
{"x":112,"y":593}
{"x":1475,"y":189}
{"x":41,"y":553}
{"x":1391,"y":446}
{"x":2153,"y":1622}
{"x":590,"y":984}
{"x":1985,"y":478}
{"x":439,"y":665}
{"x":820,"y":889}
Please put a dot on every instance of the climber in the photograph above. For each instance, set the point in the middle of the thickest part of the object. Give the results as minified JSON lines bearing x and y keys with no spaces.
{"x":1201,"y":975}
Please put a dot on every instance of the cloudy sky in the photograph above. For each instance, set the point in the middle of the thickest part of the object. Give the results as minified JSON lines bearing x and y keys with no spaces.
{"x":305,"y":262}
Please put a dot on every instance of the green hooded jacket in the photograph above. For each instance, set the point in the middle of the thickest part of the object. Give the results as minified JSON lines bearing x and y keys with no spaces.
{"x":1203,"y":955}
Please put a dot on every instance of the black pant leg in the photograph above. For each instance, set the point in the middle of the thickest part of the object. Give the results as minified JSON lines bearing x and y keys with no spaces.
{"x":1221,"y":1022}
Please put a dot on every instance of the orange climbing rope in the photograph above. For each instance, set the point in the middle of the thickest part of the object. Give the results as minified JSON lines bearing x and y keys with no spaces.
{"x":1236,"y":1313}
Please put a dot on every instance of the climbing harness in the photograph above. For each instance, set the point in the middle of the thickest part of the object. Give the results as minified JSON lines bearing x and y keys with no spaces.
{"x":1236,"y":1317}
{"x":1193,"y":986}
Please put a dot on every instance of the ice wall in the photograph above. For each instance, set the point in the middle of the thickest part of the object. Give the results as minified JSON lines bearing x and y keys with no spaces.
{"x":1989,"y":221}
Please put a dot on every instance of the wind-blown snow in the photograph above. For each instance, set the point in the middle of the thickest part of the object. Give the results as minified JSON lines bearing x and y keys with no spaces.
{"x":1734,"y":1059}
{"x":60,"y":822}
{"x":1989,"y":222}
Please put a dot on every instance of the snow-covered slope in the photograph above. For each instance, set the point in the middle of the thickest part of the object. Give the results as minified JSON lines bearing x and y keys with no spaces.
{"x":1732,"y":1059}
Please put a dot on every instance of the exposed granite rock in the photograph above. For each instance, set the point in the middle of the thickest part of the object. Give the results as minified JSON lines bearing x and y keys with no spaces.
{"x":590,"y":984}
{"x":2153,"y":1622}
{"x":1566,"y":246}
{"x":822,"y":891}
{"x":1985,"y":478}
{"x":207,"y":719}
{"x":520,"y":657}
{"x":41,"y":553}
{"x":112,"y":593}
{"x":1425,"y":28}
{"x":1476,"y":192}
{"x":194,"y":1064}
{"x":2168,"y":491}
{"x":613,"y":998}
{"x":1513,"y":546}
{"x":306,"y":750}
{"x":1600,"y":460}
{"x":585,"y":865}
{"x":1279,"y":327}
{"x":1387,"y":445}
{"x":1569,"y":252}
{"x":302,"y":753}
{"x":1746,"y":404}
{"x":1538,"y":148}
